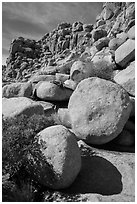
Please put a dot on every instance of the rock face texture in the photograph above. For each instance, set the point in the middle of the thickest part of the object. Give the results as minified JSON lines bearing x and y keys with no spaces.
{"x":98,"y":110}
{"x":59,"y":148}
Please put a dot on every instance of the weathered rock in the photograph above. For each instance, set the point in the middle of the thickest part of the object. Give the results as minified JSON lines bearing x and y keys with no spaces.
{"x":62,"y":77}
{"x":17,"y":90}
{"x":48,"y":108}
{"x":14,"y":107}
{"x":37,"y":78}
{"x":103,"y":65}
{"x":131,"y":33}
{"x":125,"y":53}
{"x":97,"y":34}
{"x":98,"y":110}
{"x":48,"y":91}
{"x":103,"y":42}
{"x":60,"y":150}
{"x":126,"y":78}
{"x":100,"y":23}
{"x":64,"y":117}
{"x":70,"y":84}
{"x":88,"y":27}
{"x":80,"y":70}
{"x":119,"y":40}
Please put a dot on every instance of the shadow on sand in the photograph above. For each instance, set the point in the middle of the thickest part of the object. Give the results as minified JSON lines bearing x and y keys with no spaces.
{"x":97,"y":175}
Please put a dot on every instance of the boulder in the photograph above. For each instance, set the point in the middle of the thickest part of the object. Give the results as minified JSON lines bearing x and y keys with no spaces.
{"x":87,"y":27}
{"x":98,"y":110}
{"x":103,"y":65}
{"x":125,"y":53}
{"x":98,"y":33}
{"x":114,"y":43}
{"x":48,"y":91}
{"x":60,"y":150}
{"x":37,"y":78}
{"x":126,"y":78}
{"x":64,"y":117}
{"x":103,"y":42}
{"x":14,"y":107}
{"x":80,"y":70}
{"x":70,"y":84}
{"x":131,"y":33}
{"x":61,"y":77}
{"x":17,"y":90}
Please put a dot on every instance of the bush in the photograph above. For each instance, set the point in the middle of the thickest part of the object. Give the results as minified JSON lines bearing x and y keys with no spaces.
{"x":19,"y":139}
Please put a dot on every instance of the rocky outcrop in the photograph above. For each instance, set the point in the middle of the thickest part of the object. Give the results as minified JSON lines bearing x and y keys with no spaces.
{"x":85,"y":75}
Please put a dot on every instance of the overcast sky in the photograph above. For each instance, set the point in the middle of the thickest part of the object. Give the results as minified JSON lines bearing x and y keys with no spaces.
{"x":34,"y":19}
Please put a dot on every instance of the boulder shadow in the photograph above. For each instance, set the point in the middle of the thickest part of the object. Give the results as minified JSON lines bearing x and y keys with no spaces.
{"x":97,"y":175}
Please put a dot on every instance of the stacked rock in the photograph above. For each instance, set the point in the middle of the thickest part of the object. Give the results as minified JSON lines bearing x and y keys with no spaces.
{"x":90,"y":69}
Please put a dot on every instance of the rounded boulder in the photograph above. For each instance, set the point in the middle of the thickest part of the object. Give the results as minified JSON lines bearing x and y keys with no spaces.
{"x":60,"y":151}
{"x":98,"y":110}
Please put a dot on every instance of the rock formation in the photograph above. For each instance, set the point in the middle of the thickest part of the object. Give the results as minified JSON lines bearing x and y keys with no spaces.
{"x":86,"y":73}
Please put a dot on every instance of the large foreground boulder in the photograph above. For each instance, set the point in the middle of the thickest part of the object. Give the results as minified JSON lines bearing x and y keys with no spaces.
{"x":16,"y":106}
{"x":48,"y":91}
{"x":60,"y":150}
{"x":98,"y":110}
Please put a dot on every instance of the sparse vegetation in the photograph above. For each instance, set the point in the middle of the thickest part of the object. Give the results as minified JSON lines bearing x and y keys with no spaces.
{"x":19,"y":140}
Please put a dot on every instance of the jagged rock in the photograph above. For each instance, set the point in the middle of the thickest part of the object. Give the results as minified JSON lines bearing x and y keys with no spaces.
{"x":60,"y":150}
{"x":77,"y":26}
{"x":126,"y":78}
{"x":130,"y":11}
{"x":48,"y":108}
{"x":97,"y":34}
{"x":98,"y":110}
{"x":64,"y":117}
{"x":88,"y":27}
{"x":14,"y":107}
{"x":48,"y":91}
{"x":17,"y":90}
{"x":103,"y":42}
{"x":131,"y":33}
{"x":100,"y":23}
{"x":125,"y":53}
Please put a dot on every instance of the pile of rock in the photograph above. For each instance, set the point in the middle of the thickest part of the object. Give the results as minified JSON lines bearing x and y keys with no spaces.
{"x":90,"y":69}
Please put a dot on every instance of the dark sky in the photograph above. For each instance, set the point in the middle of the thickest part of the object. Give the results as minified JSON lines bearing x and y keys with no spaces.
{"x":34,"y":19}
